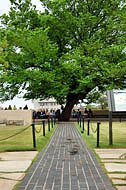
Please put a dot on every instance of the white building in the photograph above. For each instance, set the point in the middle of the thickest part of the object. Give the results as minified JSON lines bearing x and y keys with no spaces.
{"x":32,"y":104}
{"x":46,"y":104}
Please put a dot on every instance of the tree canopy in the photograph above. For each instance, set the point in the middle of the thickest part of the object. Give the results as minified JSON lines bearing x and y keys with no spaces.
{"x":66,"y":51}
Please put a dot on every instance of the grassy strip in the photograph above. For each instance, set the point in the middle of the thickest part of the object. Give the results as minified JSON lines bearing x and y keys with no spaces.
{"x":24,"y":140}
{"x":42,"y":141}
{"x":90,"y":140}
{"x":119,"y":135}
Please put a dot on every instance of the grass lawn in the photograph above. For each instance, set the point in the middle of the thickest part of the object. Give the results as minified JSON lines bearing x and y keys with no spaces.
{"x":119,"y":135}
{"x":24,"y":140}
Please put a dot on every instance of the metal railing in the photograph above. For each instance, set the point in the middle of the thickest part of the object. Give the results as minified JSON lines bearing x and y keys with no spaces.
{"x":50,"y":122}
{"x":81,"y":122}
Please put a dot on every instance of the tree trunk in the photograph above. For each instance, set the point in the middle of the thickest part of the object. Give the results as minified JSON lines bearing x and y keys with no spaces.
{"x":72,"y":99}
{"x":66,"y":113}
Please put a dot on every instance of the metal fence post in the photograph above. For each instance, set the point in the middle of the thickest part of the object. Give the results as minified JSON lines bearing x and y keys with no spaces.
{"x":98,"y":127}
{"x":48,"y":124}
{"x":43,"y":122}
{"x":110,"y":128}
{"x":88,"y":127}
{"x":83,"y":124}
{"x":80,"y":121}
{"x":33,"y":132}
{"x":52,"y":122}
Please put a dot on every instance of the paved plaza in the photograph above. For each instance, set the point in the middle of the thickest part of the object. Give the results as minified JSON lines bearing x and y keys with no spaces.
{"x":13,"y":166}
{"x":66,"y":164}
{"x":114,"y":161}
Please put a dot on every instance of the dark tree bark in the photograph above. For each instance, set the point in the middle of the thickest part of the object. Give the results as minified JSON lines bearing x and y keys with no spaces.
{"x":65,"y":116}
{"x":72,"y":99}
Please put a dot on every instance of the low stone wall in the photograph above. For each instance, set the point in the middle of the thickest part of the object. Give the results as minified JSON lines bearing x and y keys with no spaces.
{"x":105,"y":114}
{"x":15,"y":117}
{"x":101,"y":113}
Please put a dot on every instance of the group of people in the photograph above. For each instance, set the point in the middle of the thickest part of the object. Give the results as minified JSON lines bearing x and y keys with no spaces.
{"x":15,"y":108}
{"x":88,"y":112}
{"x":78,"y":113}
{"x":44,"y":114}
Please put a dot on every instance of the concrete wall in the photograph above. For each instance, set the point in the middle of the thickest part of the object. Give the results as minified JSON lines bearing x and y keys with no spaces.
{"x":100,"y":112}
{"x":11,"y":117}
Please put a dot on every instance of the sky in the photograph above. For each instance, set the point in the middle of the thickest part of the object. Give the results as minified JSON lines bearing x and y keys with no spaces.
{"x":19,"y":102}
{"x":5,"y":5}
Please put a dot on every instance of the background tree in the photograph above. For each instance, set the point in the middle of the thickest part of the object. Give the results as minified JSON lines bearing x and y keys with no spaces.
{"x":64,"y":52}
{"x":96,"y":97}
{"x":103,"y":101}
{"x":92,"y":97}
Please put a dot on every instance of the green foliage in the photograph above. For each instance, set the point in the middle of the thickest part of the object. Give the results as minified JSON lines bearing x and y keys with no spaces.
{"x":92,"y":97}
{"x":96,"y":97}
{"x":103,"y":101}
{"x":71,"y":48}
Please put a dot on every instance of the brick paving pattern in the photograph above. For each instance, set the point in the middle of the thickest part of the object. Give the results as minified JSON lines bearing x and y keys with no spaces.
{"x":66,"y":164}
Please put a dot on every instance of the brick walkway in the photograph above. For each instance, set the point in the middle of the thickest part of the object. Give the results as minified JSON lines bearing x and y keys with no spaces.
{"x":66,"y":164}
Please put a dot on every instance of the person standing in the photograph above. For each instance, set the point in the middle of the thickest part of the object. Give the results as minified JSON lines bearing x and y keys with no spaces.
{"x":9,"y":107}
{"x":14,"y":108}
{"x":26,"y":107}
{"x":90,"y":113}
